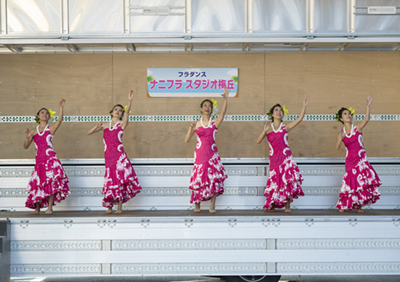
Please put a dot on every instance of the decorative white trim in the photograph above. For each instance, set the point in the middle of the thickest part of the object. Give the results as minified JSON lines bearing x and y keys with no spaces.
{"x":55,"y":245}
{"x":44,"y":130}
{"x":200,"y":244}
{"x":186,"y":170}
{"x":56,"y":269}
{"x":157,"y":191}
{"x":328,"y":244}
{"x":337,"y":267}
{"x":189,"y":118}
{"x":190,"y":268}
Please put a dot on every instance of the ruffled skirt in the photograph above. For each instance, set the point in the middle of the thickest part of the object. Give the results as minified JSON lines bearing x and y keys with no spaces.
{"x":207,"y":180}
{"x":359,"y":187}
{"x":120,"y":183}
{"x":48,"y":178}
{"x":283,"y":185}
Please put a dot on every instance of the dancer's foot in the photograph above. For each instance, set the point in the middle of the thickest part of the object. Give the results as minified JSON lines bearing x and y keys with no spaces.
{"x":272,"y":209}
{"x":36,"y":211}
{"x":196,"y":207}
{"x":212,"y":205}
{"x":109,"y":210}
{"x":49,"y":211}
{"x":287,"y":206}
{"x":360,"y":209}
{"x":119,"y":209}
{"x":341,"y":210}
{"x":212,"y":210}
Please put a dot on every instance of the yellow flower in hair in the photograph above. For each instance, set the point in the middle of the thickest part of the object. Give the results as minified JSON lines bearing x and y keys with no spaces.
{"x":352,"y":111}
{"x":126,"y":106}
{"x":285,"y":111}
{"x":51,"y":113}
{"x":214,"y":102}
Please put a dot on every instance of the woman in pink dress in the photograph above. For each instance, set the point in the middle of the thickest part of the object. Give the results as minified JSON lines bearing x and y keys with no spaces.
{"x":48,"y":184}
{"x":284,"y":180}
{"x":360,"y":183}
{"x":207,"y":181}
{"x":120,"y":181}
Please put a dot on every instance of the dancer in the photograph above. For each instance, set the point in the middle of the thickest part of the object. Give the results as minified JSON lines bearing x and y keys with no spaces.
{"x":207,"y":181}
{"x":48,"y":184}
{"x":284,"y":180}
{"x":360,"y":183}
{"x":120,"y":180}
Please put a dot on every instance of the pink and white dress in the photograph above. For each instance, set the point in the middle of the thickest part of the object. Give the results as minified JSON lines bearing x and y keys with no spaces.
{"x":48,"y":177}
{"x":284,"y":180}
{"x":120,"y":180}
{"x":208,"y":173}
{"x":360,"y":183}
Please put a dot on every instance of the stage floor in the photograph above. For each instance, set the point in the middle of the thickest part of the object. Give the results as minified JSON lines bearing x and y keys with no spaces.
{"x":203,"y":213}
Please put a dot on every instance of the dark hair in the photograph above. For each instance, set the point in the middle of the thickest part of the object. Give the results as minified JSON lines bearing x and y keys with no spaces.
{"x":340,"y":113}
{"x":271,"y":111}
{"x":118,"y":105}
{"x":207,"y":100}
{"x":36,"y":117}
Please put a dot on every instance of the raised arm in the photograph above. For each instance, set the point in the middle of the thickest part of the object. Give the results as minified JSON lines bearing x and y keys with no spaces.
{"x":125,"y":122}
{"x":340,"y":137}
{"x":56,"y":125}
{"x":191,"y":131}
{"x":294,"y":123}
{"x":264,"y":132}
{"x":221,"y":116}
{"x":29,"y":138}
{"x":362,"y":124}
{"x":97,"y":128}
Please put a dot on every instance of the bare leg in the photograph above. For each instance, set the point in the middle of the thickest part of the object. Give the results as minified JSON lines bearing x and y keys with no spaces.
{"x":196,"y":207}
{"x":287,"y":206}
{"x":119,"y":209}
{"x":272,"y":209}
{"x":212,"y":206}
{"x":37,"y":210}
{"x":50,"y":209}
{"x":360,"y":208}
{"x":109,"y":210}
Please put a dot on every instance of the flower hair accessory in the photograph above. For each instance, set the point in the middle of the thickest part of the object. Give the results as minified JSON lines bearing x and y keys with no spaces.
{"x":215,"y":107}
{"x":352,"y":111}
{"x":124,"y":109}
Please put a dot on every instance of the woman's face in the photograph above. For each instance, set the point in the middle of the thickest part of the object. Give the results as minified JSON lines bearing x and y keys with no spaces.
{"x":346,"y":116}
{"x":277,"y":113}
{"x":43,"y":115}
{"x":118,"y":112}
{"x":206,"y":108}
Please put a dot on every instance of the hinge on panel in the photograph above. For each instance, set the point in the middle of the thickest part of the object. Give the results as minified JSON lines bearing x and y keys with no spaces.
{"x":64,"y":37}
{"x":187,"y":37}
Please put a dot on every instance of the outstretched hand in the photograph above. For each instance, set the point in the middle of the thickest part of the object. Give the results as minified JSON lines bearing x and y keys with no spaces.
{"x":28,"y":133}
{"x":226,"y":93}
{"x":130,"y":96}
{"x":267,"y":125}
{"x":193,"y":125}
{"x":62,"y":102}
{"x":342,"y":133}
{"x":369,"y":100}
{"x":306,"y":100}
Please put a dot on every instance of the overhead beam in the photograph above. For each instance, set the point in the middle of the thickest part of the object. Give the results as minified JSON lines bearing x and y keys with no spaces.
{"x":179,"y":40}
